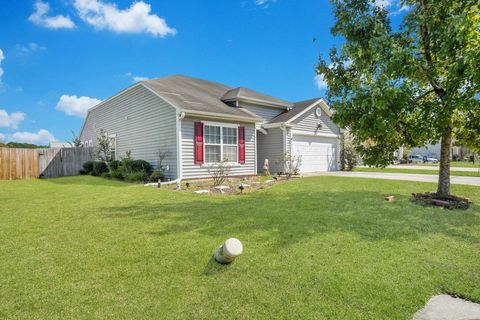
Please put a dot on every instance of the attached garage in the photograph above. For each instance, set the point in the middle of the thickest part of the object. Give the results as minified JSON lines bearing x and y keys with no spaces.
{"x":317,"y":153}
{"x":308,"y":132}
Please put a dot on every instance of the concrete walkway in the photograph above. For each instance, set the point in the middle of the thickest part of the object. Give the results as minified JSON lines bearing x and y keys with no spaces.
{"x":414,"y":167}
{"x":444,"y":307}
{"x":472,"y":181}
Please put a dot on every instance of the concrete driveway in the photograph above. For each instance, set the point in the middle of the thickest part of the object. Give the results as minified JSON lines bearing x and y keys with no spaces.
{"x":472,"y":181}
{"x":414,"y":167}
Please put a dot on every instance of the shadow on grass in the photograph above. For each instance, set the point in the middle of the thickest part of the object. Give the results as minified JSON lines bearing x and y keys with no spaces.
{"x":213,"y":268}
{"x":291,"y":214}
{"x":87,"y":181}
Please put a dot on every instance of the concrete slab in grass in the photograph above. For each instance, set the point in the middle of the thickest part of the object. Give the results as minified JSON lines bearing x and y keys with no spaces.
{"x":445,"y":307}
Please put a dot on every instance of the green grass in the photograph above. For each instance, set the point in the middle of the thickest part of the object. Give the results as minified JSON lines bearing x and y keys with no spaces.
{"x":315,"y":248}
{"x":418,"y":171}
{"x":465,"y":164}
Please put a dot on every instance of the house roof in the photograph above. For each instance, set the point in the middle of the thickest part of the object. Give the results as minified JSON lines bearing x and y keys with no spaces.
{"x":201,"y":96}
{"x":240,"y":93}
{"x":298,"y":108}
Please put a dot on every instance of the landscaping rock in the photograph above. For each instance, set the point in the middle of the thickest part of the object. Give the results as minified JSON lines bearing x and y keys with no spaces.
{"x":153,"y":184}
{"x":244,"y":185}
{"x":221,"y":188}
{"x":202,"y":191}
{"x":269,"y":181}
{"x":445,"y":307}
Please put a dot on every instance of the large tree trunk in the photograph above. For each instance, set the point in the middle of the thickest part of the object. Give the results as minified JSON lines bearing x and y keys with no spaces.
{"x":444,"y":173}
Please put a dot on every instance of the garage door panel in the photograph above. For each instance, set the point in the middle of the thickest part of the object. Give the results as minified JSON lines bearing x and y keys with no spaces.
{"x":317,"y":153}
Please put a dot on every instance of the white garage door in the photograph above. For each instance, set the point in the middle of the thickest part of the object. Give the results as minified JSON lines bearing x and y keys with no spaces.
{"x":317,"y":153}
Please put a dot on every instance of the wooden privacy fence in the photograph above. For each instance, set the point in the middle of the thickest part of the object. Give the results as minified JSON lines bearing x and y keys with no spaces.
{"x":54,"y":163}
{"x":44,"y":163}
{"x":18,"y":164}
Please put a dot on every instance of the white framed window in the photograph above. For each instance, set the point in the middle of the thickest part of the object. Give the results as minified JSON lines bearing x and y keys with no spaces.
{"x":113,"y":146}
{"x":221,"y":143}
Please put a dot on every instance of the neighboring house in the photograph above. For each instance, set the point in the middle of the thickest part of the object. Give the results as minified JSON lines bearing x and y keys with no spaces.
{"x":200,"y":123}
{"x":433,"y":151}
{"x":60,"y":144}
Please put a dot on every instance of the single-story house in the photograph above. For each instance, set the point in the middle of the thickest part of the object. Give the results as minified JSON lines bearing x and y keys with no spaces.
{"x":199,"y":123}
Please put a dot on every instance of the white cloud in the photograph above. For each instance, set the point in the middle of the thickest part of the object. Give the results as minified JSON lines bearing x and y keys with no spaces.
{"x":2,"y":57}
{"x":264,"y":3}
{"x":41,"y":137}
{"x":11,"y":120}
{"x":401,"y":9}
{"x":383,"y":3}
{"x":138,"y":79}
{"x":321,"y":82}
{"x":29,"y":48}
{"x":136,"y":19}
{"x":135,"y":78}
{"x":3,"y":137}
{"x":40,"y":18}
{"x":76,"y":106}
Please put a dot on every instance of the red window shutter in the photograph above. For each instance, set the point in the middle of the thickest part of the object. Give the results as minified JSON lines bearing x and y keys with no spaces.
{"x":241,"y":145}
{"x":198,"y":140}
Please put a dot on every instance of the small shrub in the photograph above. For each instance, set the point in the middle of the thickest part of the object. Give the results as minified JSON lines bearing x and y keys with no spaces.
{"x":157,"y":175}
{"x":219,"y":172}
{"x":291,"y":164}
{"x":116,"y":174}
{"x":114,"y":165}
{"x":128,"y":166}
{"x":348,"y":155}
{"x":138,"y":176}
{"x":99,"y":168}
{"x":106,"y":175}
{"x":88,"y":167}
{"x":82,"y":172}
{"x":141,"y":165}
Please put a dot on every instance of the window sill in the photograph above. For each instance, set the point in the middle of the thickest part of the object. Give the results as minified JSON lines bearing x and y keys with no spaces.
{"x":230,"y":164}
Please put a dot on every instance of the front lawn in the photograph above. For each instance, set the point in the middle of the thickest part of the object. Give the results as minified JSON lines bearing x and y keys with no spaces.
{"x":418,"y":171}
{"x":314,"y":248}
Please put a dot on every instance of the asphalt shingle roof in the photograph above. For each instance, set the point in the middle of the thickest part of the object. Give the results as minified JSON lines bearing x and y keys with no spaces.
{"x":197,"y":95}
{"x":298,"y":107}
{"x":248,"y":94}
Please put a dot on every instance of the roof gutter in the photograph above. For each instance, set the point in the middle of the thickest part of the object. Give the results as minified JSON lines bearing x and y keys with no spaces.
{"x":214,"y":115}
{"x":276,"y":125}
{"x":261,"y":102}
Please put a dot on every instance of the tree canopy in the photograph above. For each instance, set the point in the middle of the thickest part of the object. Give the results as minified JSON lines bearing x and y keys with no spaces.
{"x":406,"y":85}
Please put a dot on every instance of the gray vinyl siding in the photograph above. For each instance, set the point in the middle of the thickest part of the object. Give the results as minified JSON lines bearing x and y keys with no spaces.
{"x":266,"y":113}
{"x":271,"y":147}
{"x":143,"y":123}
{"x":308,"y":122}
{"x":190,"y":170}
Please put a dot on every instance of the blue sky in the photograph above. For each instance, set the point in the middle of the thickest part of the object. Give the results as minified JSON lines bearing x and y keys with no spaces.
{"x":58,"y":57}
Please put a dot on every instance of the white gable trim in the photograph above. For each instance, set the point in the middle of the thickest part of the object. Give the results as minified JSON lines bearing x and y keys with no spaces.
{"x":313,"y":134}
{"x":319,"y":102}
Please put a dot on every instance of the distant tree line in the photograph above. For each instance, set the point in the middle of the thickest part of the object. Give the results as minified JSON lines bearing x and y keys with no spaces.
{"x":20,"y":145}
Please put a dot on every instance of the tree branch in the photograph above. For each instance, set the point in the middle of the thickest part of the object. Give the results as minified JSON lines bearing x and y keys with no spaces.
{"x":428,"y":54}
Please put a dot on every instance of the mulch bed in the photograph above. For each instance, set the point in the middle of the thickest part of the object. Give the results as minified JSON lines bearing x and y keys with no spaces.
{"x":252,"y":184}
{"x":450,"y":202}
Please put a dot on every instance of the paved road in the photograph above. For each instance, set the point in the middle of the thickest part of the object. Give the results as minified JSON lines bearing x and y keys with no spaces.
{"x":472,"y":181}
{"x":404,"y":166}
